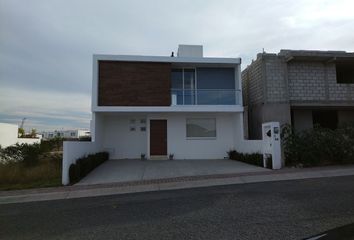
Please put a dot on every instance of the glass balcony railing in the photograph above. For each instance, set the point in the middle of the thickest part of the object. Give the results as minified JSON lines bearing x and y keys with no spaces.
{"x":205,"y":97}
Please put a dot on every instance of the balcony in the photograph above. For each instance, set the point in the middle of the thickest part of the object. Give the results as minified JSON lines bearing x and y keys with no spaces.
{"x":205,"y":97}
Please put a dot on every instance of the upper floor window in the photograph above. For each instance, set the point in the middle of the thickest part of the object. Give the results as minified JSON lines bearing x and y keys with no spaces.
{"x":216,"y":78}
{"x":183,"y":82}
{"x":177,"y":78}
{"x":345,"y":73}
{"x":204,"y":86}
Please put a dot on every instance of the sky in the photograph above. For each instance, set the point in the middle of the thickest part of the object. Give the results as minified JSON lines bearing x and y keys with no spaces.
{"x":46,"y":47}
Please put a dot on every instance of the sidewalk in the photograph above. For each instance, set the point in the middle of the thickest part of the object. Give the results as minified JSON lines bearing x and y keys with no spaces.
{"x":78,"y":191}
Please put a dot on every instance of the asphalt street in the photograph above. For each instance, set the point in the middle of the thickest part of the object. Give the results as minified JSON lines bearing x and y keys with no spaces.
{"x":270,"y":210}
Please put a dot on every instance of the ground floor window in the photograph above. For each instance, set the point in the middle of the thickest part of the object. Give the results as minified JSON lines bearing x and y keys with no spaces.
{"x":201,"y":127}
{"x":325,"y":118}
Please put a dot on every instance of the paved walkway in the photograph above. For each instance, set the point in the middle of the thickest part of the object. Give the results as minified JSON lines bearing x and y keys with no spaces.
{"x":78,"y":191}
{"x":115,"y":171}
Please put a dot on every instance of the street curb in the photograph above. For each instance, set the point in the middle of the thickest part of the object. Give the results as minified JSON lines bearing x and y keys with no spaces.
{"x":79,"y":191}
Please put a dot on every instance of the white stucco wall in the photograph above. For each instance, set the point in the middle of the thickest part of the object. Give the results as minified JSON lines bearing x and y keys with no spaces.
{"x":112,"y":133}
{"x":72,"y":151}
{"x":184,"y":148}
{"x":119,"y":140}
{"x":8,"y":134}
{"x":240,"y":143}
{"x":123,"y":143}
{"x":28,"y":140}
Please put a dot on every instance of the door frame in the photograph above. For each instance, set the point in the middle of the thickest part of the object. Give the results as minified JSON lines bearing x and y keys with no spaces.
{"x":148,"y":134}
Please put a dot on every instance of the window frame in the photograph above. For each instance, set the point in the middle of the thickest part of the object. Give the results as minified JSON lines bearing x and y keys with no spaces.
{"x":200,"y":137}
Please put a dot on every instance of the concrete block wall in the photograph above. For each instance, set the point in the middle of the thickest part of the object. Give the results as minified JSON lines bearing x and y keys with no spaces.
{"x":276,"y":81}
{"x":317,"y":82}
{"x":307,"y":81}
{"x":252,"y":83}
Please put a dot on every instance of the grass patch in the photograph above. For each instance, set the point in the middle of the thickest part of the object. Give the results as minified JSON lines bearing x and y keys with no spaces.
{"x":45,"y":173}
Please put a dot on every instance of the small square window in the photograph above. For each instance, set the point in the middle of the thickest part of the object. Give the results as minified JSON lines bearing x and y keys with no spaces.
{"x":143,"y":121}
{"x":132,"y":129}
{"x":132,"y":121}
{"x":143,"y":129}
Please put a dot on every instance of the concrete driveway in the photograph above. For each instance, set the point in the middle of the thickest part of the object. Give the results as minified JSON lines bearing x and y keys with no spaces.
{"x":135,"y":170}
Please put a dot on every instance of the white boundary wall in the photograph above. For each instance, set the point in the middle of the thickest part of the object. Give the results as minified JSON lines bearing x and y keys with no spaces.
{"x":72,"y":151}
{"x":242,"y":145}
{"x":28,"y":140}
{"x":9,"y":133}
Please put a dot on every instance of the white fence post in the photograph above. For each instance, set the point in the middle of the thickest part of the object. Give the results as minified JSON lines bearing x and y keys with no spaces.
{"x":272,"y":144}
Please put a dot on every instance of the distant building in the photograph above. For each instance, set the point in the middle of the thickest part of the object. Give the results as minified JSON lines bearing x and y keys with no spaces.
{"x":76,"y":133}
{"x":301,"y":88}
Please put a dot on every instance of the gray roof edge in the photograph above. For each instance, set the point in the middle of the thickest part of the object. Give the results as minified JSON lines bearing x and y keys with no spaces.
{"x":314,"y":53}
{"x":166,"y":59}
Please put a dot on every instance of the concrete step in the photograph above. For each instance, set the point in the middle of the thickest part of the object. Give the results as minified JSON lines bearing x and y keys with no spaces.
{"x":159,"y":157}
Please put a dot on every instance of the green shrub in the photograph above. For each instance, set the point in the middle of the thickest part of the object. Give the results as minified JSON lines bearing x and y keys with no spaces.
{"x":318,"y":146}
{"x":253,"y":158}
{"x":85,"y":165}
{"x":11,"y":154}
{"x":73,"y":173}
{"x":29,"y":154}
{"x":55,"y":144}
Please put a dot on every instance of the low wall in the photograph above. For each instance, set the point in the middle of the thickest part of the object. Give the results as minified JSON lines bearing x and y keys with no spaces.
{"x":251,"y":146}
{"x":71,"y":152}
{"x":8,"y":136}
{"x":28,"y":140}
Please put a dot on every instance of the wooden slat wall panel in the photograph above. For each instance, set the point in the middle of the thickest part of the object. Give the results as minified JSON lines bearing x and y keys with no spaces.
{"x":134,"y":84}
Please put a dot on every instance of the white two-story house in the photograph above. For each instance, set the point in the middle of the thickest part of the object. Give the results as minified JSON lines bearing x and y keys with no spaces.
{"x":189,"y":105}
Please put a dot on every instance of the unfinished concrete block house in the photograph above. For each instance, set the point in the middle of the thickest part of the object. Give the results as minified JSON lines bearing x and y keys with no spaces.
{"x":302,"y":88}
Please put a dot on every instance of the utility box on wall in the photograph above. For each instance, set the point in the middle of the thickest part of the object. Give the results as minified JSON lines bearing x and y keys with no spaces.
{"x":272,"y":145}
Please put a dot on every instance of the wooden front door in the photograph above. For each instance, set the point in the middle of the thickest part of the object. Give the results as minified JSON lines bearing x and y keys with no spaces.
{"x":158,"y":137}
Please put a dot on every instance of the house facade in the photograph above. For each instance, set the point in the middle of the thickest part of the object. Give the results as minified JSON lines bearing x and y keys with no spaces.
{"x":186,"y":106}
{"x":189,"y":105}
{"x":301,"y":88}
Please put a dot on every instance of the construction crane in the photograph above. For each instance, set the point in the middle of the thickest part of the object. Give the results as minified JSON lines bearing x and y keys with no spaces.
{"x":23,"y":122}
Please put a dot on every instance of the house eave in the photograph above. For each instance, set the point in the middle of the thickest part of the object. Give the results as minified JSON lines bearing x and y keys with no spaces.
{"x":139,"y":58}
